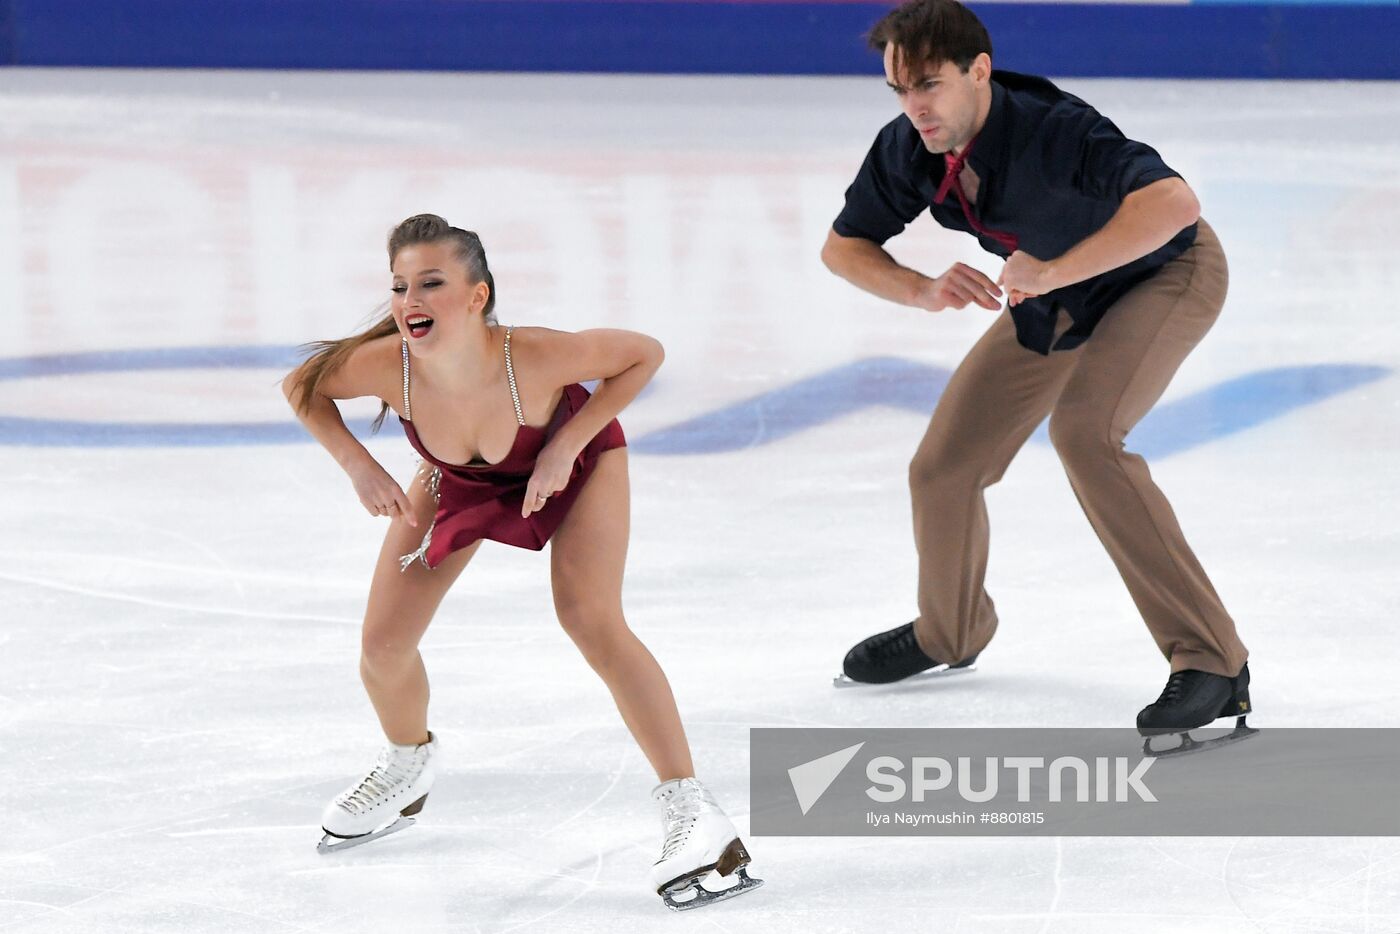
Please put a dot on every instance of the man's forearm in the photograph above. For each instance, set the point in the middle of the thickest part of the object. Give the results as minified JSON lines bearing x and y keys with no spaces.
{"x":867,"y":266}
{"x":1145,"y":221}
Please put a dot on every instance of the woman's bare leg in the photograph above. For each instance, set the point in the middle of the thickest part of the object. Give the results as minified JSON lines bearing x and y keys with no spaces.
{"x":586,"y":562}
{"x":401,"y":604}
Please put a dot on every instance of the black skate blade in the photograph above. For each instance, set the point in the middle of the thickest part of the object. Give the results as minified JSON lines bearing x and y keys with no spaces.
{"x":704,"y":896}
{"x":330,"y":843}
{"x":935,"y":673}
{"x":1189,"y":744}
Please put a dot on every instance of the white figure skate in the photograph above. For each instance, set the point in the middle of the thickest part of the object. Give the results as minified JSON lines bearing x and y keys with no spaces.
{"x":699,"y":840}
{"x":384,"y":801}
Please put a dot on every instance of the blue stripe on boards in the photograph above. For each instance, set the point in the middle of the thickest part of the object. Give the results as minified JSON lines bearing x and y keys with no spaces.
{"x":8,"y":17}
{"x":1168,"y":40}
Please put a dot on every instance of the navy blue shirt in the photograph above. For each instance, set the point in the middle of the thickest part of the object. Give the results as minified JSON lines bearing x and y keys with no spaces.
{"x":1051,"y":170}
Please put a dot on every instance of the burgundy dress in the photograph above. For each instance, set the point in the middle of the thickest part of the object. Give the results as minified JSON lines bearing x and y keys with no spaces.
{"x":483,"y":500}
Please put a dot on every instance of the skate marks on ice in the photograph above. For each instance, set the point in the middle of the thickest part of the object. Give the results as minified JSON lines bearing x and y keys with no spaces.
{"x":1245,"y":885}
{"x":92,"y":881}
{"x":477,"y":853}
{"x":1224,"y":409}
{"x":63,"y":563}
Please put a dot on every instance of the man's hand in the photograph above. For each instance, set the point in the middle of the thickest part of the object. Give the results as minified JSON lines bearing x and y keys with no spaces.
{"x":1025,"y":277}
{"x":959,"y":287}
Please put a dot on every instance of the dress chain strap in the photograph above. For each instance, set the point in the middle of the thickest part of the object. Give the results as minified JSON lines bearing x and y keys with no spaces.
{"x":407,"y":413}
{"x":510,"y":377}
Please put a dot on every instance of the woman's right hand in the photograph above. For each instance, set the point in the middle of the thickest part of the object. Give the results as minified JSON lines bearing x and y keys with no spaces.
{"x":379,"y":493}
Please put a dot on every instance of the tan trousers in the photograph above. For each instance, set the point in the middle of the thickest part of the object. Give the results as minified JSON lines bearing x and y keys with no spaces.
{"x":1094,"y":396}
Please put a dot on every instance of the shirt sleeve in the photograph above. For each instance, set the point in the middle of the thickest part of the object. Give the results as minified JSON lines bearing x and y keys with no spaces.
{"x":1102,"y":162}
{"x":882,"y":200}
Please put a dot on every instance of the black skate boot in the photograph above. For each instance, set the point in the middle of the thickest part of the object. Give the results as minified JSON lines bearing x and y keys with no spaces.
{"x":1193,"y":699}
{"x":893,"y":656}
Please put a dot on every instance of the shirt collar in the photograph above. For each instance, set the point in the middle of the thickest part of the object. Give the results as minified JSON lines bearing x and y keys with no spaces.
{"x":992,"y":137}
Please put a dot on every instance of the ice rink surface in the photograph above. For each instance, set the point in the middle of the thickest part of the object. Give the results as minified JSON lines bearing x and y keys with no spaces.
{"x":183,"y":570}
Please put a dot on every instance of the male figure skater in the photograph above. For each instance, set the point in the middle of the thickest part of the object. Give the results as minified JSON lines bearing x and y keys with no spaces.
{"x":1111,"y":278}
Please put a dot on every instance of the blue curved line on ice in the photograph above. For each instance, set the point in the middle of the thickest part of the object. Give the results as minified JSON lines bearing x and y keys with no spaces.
{"x":49,"y":432}
{"x":802,"y":405}
{"x":1222,"y":410}
{"x":1242,"y":403}
{"x":155,"y":358}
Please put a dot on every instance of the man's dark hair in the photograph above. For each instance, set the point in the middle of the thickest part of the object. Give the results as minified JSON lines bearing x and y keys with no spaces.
{"x":927,"y":33}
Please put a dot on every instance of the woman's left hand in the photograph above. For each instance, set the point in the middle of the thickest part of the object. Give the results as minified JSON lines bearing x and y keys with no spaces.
{"x":553,"y":468}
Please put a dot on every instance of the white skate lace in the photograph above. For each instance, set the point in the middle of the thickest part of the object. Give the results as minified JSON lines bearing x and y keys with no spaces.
{"x":389,"y":771}
{"x":682,"y":808}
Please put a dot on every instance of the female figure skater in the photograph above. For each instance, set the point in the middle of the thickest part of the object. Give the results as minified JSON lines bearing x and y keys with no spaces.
{"x":513,"y":450}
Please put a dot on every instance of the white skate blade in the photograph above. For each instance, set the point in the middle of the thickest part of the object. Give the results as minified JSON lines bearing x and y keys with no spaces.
{"x":932,"y":674}
{"x":704,"y":896}
{"x":1190,"y":744}
{"x":333,"y":844}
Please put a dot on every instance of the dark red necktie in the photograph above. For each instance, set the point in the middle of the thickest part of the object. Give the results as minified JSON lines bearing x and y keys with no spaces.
{"x":953,"y":168}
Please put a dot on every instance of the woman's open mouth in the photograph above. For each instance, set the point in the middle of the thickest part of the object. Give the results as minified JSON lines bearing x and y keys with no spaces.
{"x":418,"y":325}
